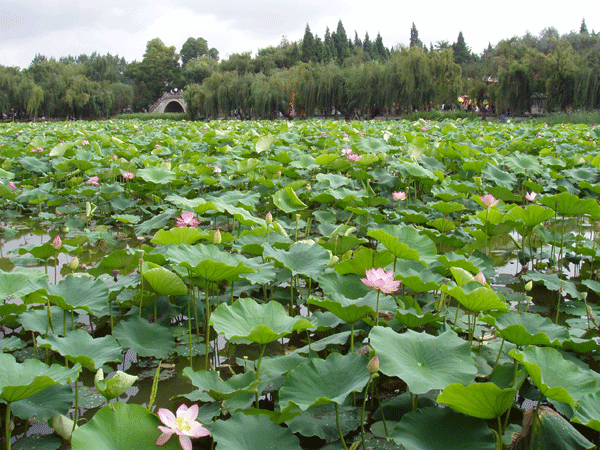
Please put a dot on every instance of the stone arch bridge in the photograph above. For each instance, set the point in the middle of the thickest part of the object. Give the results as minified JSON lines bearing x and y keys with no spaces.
{"x":169,"y":102}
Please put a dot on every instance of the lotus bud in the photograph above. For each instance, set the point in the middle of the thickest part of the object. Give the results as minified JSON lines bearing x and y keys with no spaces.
{"x":11,"y":426}
{"x":279,"y":174}
{"x":12,"y":185}
{"x":308,"y":187}
{"x":480,"y":278}
{"x":269,"y":218}
{"x":298,"y":216}
{"x":74,"y":264}
{"x":217,"y":237}
{"x":373,"y":366}
{"x":57,"y":243}
{"x":364,"y":350}
{"x":66,"y":229}
{"x":529,"y":286}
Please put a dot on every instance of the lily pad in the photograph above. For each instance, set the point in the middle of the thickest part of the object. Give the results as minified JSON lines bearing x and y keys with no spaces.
{"x":145,"y":338}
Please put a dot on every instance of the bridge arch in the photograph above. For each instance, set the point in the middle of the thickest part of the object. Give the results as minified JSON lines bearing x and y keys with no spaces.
{"x":169,"y":102}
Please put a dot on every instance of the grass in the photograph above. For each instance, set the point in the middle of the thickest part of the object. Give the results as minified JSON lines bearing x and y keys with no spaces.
{"x":153,"y":116}
{"x":589,"y":117}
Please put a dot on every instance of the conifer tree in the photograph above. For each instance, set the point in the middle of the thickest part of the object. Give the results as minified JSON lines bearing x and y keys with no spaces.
{"x":308,"y":46}
{"x":368,"y":45}
{"x":414,"y":37}
{"x":462,"y":53}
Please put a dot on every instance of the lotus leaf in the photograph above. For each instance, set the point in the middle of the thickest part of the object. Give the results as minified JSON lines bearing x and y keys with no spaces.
{"x":22,"y":380}
{"x":322,"y":381}
{"x":555,"y":377}
{"x":301,"y":258}
{"x":530,"y":329}
{"x":260,"y":323}
{"x":78,"y":346}
{"x":218,"y":389}
{"x":481,"y":400}
{"x":422,"y":361}
{"x":442,"y":429}
{"x":256,"y":432}
{"x":121,"y":426}
{"x":145,"y":338}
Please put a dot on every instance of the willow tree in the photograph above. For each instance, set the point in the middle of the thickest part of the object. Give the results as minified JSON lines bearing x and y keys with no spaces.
{"x":562,"y":67}
{"x":415,"y":75}
{"x":515,"y":87}
{"x":447,"y":77}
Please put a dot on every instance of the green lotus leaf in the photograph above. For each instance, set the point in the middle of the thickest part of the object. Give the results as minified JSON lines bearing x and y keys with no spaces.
{"x":155,"y":222}
{"x":240,"y":214}
{"x":145,"y":338}
{"x":530,"y":329}
{"x":364,"y":259}
{"x":22,"y":380}
{"x":554,"y":283}
{"x":74,"y":293}
{"x":447,"y":207}
{"x":263,"y":143}
{"x":121,"y":426}
{"x":475,"y":297}
{"x":555,"y":377}
{"x":442,"y":429}
{"x":164,"y":282}
{"x":260,"y":323}
{"x":422,"y":361}
{"x":218,"y":389}
{"x":412,"y":319}
{"x":481,"y":400}
{"x":568,"y":204}
{"x":351,"y":311}
{"x":499,"y":176}
{"x":176,"y":236}
{"x":370,"y":144}
{"x":531,"y":215}
{"x":406,"y":243}
{"x":208,"y":262}
{"x":503,"y":193}
{"x":56,"y":399}
{"x":127,"y":218}
{"x":13,"y":284}
{"x":420,"y":280}
{"x":587,"y":411}
{"x":553,"y":431}
{"x":301,"y":258}
{"x":321,"y":421}
{"x":349,"y":286}
{"x":256,"y":432}
{"x":37,"y":320}
{"x":287,"y":200}
{"x":158,"y":175}
{"x":122,"y":259}
{"x":322,"y":381}
{"x":79,"y":346}
{"x":114,"y":386}
{"x":11,"y":343}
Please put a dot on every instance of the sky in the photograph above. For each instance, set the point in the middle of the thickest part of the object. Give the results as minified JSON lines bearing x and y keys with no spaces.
{"x":56,"y":28}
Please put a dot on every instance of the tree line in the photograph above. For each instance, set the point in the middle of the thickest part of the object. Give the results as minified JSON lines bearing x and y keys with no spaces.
{"x":335,"y":74}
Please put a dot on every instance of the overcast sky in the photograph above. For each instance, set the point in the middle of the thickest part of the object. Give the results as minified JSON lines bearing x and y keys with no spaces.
{"x":58,"y":28}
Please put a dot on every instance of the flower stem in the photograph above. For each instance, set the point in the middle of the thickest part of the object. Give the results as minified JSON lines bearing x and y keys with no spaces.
{"x":362,"y":414}
{"x":337,"y":422}
{"x":7,"y":425}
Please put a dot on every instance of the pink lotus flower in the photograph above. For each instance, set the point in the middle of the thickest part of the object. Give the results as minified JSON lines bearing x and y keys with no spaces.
{"x":93,"y":181}
{"x":12,"y":185}
{"x":489,"y":200}
{"x":346,"y":151}
{"x":353,"y":157}
{"x":399,"y":196}
{"x":187,"y":220}
{"x":85,"y":142}
{"x":217,"y":170}
{"x":531,"y":196}
{"x":323,"y":133}
{"x":128,"y":175}
{"x":480,"y":278}
{"x":380,"y":280}
{"x":57,"y":243}
{"x":362,"y":133}
{"x":184,"y":425}
{"x":423,"y":128}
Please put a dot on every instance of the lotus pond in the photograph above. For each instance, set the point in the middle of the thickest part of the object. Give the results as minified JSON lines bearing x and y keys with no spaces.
{"x":308,"y":285}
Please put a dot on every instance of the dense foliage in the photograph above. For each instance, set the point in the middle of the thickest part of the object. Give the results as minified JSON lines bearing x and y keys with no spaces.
{"x":422,"y":281}
{"x":358,"y":77}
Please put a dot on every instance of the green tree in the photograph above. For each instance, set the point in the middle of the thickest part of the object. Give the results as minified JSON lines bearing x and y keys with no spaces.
{"x":381,"y":53}
{"x":368,"y":46}
{"x":414,"y":37}
{"x":340,"y":40}
{"x":309,"y":52}
{"x":583,"y":28}
{"x":415,"y":76}
{"x":195,"y":71}
{"x":447,"y":77}
{"x":34,"y":100}
{"x":158,"y":72}
{"x":562,"y":68}
{"x":193,"y":49}
{"x":462,"y":53}
{"x":515,"y":88}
